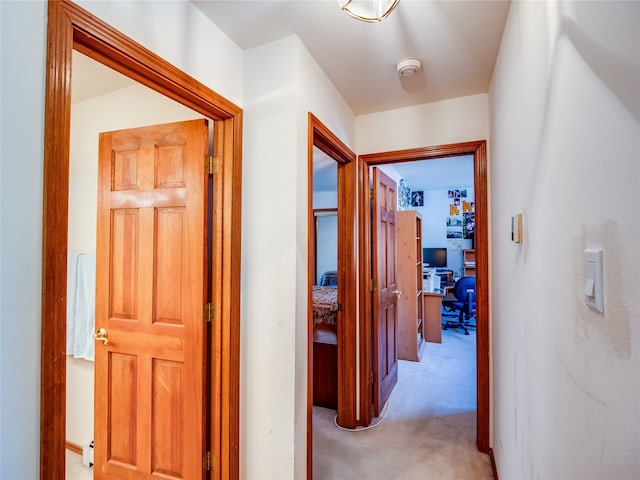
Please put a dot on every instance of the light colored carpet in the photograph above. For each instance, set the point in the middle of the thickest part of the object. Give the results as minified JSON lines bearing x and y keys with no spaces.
{"x":429,"y":431}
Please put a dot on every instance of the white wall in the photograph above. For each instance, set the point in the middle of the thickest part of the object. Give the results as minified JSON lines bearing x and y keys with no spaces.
{"x":129,"y":107}
{"x":325,"y":199}
{"x":268,"y":263}
{"x":200,"y":49}
{"x":565,"y":110}
{"x":326,"y":245}
{"x":282,"y":83}
{"x":22,"y":128}
{"x":435,"y":213}
{"x":449,"y":121}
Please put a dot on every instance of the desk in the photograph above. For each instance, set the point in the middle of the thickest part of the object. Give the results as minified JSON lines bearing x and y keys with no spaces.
{"x":445,"y":276}
{"x":432,"y":316}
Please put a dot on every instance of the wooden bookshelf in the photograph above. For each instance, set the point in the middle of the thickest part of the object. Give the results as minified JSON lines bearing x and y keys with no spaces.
{"x":410,"y":303}
{"x":469,"y":263}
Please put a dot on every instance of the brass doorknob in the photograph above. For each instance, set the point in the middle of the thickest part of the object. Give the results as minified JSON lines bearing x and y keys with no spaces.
{"x":101,"y":336}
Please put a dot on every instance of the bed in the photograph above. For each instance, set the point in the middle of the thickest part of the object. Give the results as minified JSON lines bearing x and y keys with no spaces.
{"x":325,"y":305}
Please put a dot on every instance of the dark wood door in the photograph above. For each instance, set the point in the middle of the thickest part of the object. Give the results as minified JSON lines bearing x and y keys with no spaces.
{"x":385,"y":291}
{"x":151,"y":288}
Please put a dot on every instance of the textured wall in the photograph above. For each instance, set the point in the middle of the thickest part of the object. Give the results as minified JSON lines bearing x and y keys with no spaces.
{"x":565,"y":151}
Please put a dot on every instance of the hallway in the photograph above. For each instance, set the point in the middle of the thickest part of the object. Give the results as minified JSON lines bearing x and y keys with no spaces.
{"x":429,"y":431}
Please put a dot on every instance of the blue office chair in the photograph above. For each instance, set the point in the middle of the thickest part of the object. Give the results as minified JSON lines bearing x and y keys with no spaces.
{"x":463,"y":300}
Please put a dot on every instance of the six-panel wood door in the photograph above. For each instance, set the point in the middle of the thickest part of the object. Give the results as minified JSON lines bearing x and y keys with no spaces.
{"x":385,"y":294}
{"x":151,"y":288}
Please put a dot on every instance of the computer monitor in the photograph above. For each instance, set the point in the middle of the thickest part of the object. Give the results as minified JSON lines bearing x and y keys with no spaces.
{"x":435,"y":257}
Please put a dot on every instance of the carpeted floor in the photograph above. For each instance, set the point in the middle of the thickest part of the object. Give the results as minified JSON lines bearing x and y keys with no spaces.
{"x":429,"y":429}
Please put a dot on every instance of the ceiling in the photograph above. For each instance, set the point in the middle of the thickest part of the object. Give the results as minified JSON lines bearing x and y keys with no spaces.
{"x":457,"y":42}
{"x":435,"y":174}
{"x":91,"y":79}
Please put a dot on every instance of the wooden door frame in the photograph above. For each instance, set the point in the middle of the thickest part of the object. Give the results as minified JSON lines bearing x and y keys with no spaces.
{"x":71,"y":27}
{"x":479,"y":151}
{"x":321,"y":137}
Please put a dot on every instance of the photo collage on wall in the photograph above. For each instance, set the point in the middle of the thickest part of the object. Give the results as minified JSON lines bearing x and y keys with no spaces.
{"x":461,"y":220}
{"x":407,"y":198}
{"x":404,"y":196}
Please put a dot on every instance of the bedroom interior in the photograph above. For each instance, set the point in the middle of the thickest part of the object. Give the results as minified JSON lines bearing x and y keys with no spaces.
{"x":325,"y":275}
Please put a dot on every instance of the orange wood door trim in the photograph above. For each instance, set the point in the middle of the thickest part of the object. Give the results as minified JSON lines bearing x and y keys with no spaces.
{"x":320,"y":136}
{"x":479,"y":151}
{"x":70,"y":27}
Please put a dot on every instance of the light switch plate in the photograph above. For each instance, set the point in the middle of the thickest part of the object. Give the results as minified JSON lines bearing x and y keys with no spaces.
{"x":593,"y":288}
{"x":516,"y":228}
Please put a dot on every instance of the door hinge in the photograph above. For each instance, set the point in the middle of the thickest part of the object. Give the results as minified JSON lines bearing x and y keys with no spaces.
{"x":208,"y":462}
{"x":209,"y":312}
{"x":371,"y":377}
{"x":211,"y":164}
{"x":372,"y":193}
{"x":373,"y":285}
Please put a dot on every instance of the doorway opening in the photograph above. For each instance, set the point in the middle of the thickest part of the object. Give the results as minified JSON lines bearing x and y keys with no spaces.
{"x":335,"y":335}
{"x":127,"y":106}
{"x":69,"y":28}
{"x":368,"y":331}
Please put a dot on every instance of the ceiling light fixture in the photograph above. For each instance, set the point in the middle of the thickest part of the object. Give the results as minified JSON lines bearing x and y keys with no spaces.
{"x":408,"y":66}
{"x":368,"y":10}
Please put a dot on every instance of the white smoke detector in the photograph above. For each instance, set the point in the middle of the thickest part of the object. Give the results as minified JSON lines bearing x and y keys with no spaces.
{"x":408,"y":66}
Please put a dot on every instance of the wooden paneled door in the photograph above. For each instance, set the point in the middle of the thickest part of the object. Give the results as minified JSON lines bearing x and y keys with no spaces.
{"x":151,"y":290}
{"x":385,"y":290}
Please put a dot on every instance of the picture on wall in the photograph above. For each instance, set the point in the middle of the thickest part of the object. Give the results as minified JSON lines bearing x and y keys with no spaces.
{"x":468,"y":225}
{"x":404,"y":196}
{"x":454,"y":222}
{"x":454,"y":232}
{"x":417,"y":198}
{"x":457,"y":193}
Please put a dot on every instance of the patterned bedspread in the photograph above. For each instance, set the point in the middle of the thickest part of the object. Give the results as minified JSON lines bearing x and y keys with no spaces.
{"x":325,"y":305}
